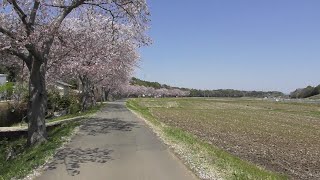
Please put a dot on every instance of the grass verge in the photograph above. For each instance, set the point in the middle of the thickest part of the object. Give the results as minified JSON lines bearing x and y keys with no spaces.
{"x":26,"y":159}
{"x":86,"y":113}
{"x":208,"y":161}
{"x":68,"y":116}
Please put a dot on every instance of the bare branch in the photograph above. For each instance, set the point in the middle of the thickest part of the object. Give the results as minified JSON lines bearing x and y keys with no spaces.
{"x":100,"y":6}
{"x":122,"y":7}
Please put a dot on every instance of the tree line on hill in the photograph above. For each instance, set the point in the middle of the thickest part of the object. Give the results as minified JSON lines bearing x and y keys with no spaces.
{"x":141,"y":88}
{"x":306,"y":92}
{"x":209,"y":93}
{"x":138,"y":82}
{"x":234,"y":93}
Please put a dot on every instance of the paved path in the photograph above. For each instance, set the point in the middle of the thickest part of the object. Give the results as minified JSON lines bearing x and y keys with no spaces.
{"x":116,"y":145}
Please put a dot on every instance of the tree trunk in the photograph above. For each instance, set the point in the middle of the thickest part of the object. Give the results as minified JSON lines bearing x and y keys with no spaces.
{"x":37,"y":133}
{"x":85,"y":95}
{"x":103,"y":94}
{"x":84,"y":101}
{"x":107,"y":93}
{"x":93,"y":97}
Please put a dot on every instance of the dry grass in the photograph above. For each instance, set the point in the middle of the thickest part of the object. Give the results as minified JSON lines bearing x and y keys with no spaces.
{"x":316,"y":97}
{"x":282,"y":137}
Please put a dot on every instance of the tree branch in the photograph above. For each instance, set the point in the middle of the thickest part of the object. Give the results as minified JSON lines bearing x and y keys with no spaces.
{"x":34,"y":12}
{"x":7,"y":32}
{"x":34,"y":52}
{"x":22,"y":56}
{"x":56,"y":6}
{"x":21,"y":14}
{"x":124,"y":9}
{"x":56,"y":24}
{"x":100,"y":6}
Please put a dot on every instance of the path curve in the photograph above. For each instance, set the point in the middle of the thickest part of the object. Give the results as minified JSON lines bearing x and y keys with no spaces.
{"x":116,"y":145}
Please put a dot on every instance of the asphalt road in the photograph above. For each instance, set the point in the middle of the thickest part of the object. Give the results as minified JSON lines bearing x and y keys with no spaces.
{"x":116,"y":145}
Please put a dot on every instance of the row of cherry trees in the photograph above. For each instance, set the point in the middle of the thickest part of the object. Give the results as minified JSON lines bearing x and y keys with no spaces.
{"x":94,"y":41}
{"x":142,"y":91}
{"x":99,"y":59}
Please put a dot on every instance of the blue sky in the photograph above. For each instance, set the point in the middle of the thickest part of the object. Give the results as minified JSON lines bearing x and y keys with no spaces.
{"x":238,"y":44}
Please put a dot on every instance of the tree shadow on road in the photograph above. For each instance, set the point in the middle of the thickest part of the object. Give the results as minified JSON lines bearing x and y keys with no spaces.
{"x":96,"y":126}
{"x":115,"y":108}
{"x":73,"y":158}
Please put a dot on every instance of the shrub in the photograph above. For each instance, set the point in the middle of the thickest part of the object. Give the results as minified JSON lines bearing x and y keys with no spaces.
{"x":12,"y":113}
{"x":74,"y":108}
{"x":58,"y":102}
{"x":305,"y":92}
{"x":21,"y":93}
{"x":53,"y":99}
{"x":64,"y":103}
{"x":7,"y":89}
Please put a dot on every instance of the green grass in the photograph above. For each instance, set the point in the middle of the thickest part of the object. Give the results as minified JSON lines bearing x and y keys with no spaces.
{"x":86,"y":113}
{"x":227,"y":165}
{"x":68,"y":116}
{"x":133,"y":105}
{"x":29,"y":158}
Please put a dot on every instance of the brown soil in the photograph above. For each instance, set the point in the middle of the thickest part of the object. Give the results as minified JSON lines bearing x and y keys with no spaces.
{"x":281,"y":137}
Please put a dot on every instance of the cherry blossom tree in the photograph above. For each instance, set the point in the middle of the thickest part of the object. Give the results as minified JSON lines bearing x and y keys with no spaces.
{"x":28,"y":29}
{"x":109,"y":64}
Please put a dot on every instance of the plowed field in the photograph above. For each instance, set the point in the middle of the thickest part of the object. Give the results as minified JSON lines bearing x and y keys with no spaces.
{"x":282,"y":137}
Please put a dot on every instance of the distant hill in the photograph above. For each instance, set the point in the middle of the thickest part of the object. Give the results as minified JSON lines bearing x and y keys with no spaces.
{"x":156,"y":85}
{"x":306,"y":92}
{"x":234,"y":93}
{"x":139,"y":82}
{"x":209,"y":93}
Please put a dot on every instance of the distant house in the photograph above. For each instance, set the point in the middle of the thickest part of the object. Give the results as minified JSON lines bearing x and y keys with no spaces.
{"x":63,"y":88}
{"x":3,"y":80}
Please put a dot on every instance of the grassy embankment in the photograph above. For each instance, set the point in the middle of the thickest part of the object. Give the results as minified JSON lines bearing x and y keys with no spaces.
{"x":207,"y":160}
{"x":25,"y":159}
{"x":85,"y":114}
{"x":68,"y":116}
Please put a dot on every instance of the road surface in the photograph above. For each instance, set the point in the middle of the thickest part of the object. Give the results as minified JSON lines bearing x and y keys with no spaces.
{"x":116,"y":145}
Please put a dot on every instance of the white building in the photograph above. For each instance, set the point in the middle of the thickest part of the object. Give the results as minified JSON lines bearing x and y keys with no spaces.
{"x":63,"y":88}
{"x":3,"y":78}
